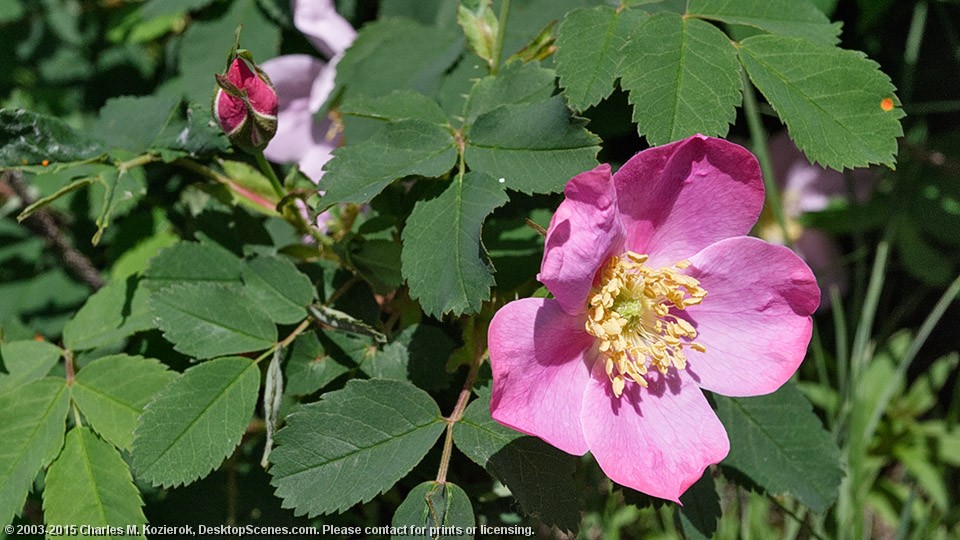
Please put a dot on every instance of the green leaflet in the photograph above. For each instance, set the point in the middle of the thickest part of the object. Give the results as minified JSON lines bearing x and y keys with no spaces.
{"x":26,"y":361}
{"x":444,"y":507}
{"x":28,"y":138}
{"x":278,"y":288}
{"x":135,"y":123}
{"x":779,"y":443}
{"x":792,"y":18}
{"x":192,"y":262}
{"x":31,"y":428}
{"x":443,"y":258}
{"x":111,"y":392}
{"x":90,"y":484}
{"x":110,"y":315}
{"x":361,"y":439}
{"x":683,"y":78}
{"x":829,"y":98}
{"x":195,"y":422}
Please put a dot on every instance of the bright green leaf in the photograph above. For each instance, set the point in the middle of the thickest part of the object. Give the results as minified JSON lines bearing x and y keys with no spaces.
{"x":442,"y":258}
{"x":134,"y":123}
{"x":111,"y":392}
{"x":110,"y":315}
{"x":779,"y":443}
{"x":26,"y":361}
{"x":794,"y":18}
{"x":829,"y":98}
{"x":534,"y":148}
{"x":90,"y":484}
{"x":361,"y":439}
{"x":196,"y":421}
{"x":435,"y":507}
{"x":588,"y":52}
{"x":538,"y":475}
{"x":278,"y":288}
{"x":515,"y":84}
{"x":192,"y":262}
{"x":28,"y":138}
{"x":205,"y":320}
{"x":409,"y":147}
{"x":481,"y":27}
{"x":683,"y":78}
{"x":31,"y":428}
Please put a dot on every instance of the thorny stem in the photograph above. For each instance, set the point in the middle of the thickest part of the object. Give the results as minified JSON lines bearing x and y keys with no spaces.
{"x":455,"y":417}
{"x":501,"y":35}
{"x":287,"y":340}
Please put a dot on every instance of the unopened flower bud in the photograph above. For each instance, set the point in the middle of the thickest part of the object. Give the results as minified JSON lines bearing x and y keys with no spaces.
{"x":245,"y":104}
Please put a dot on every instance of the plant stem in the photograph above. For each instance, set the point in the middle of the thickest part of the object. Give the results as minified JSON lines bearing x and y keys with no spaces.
{"x":268,"y":171}
{"x":501,"y":35}
{"x":287,"y":340}
{"x":758,"y":140}
{"x":455,"y":417}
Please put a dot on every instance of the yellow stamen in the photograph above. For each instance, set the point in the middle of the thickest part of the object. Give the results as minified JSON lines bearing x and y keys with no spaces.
{"x":632,"y":315}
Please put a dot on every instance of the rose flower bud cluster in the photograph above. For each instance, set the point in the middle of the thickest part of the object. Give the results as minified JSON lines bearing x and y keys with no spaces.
{"x":245,"y":104}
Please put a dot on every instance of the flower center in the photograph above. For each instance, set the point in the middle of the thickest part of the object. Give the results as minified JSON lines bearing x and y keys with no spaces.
{"x":630,"y":314}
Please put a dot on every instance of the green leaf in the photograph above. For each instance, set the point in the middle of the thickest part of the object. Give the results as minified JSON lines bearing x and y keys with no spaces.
{"x":481,"y":28}
{"x":361,"y":439}
{"x":11,"y":11}
{"x":793,"y":18}
{"x":443,"y":259}
{"x":26,"y":361}
{"x":419,"y":355}
{"x":701,"y":509}
{"x":829,"y":98}
{"x":204,"y":320}
{"x":159,"y":8}
{"x":44,"y":201}
{"x":538,"y":475}
{"x":535,"y":148}
{"x":779,"y":443}
{"x":278,"y":288}
{"x":683,"y":78}
{"x":192,"y":262}
{"x":396,"y":106}
{"x":28,"y":138}
{"x":203,"y":49}
{"x":515,"y":84}
{"x":111,"y":392}
{"x":309,"y":367}
{"x":134,"y":123}
{"x":392,"y":54}
{"x":440,"y":510}
{"x":31,"y":427}
{"x":90,"y":484}
{"x":344,"y":322}
{"x":409,"y":147}
{"x":588,"y":52}
{"x":922,"y":259}
{"x":122,"y":189}
{"x":376,"y":260}
{"x":195,"y":422}
{"x":109,"y":316}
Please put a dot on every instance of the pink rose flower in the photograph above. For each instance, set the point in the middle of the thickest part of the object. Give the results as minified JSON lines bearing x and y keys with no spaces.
{"x":304,"y":83}
{"x":658,"y":294}
{"x":245,"y":106}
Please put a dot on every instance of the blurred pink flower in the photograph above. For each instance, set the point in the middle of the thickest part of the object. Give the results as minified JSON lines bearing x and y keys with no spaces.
{"x":805,"y":187}
{"x":657,"y":295}
{"x":303,"y":83}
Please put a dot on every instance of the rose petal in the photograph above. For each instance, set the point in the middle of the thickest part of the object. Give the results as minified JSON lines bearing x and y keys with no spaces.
{"x":297,"y":132}
{"x":679,"y":198}
{"x":584,"y":233}
{"x":262,"y":97}
{"x":319,"y":21}
{"x":657,"y":440}
{"x":755,"y":320}
{"x":537,"y":354}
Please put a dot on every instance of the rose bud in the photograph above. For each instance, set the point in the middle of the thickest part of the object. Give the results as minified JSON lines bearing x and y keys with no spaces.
{"x":245,"y":104}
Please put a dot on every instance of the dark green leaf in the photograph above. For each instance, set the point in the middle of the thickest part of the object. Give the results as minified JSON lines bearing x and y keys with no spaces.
{"x":409,"y":147}
{"x":794,"y":18}
{"x":26,"y":361}
{"x":922,"y":259}
{"x":588,"y":52}
{"x":396,"y":106}
{"x":443,"y":259}
{"x":683,"y":78}
{"x":110,"y":315}
{"x":361,"y":439}
{"x":90,"y":484}
{"x":419,"y":355}
{"x":538,"y":475}
{"x":134,"y":123}
{"x":309,"y":366}
{"x":376,"y":260}
{"x":701,"y":509}
{"x":205,"y":320}
{"x":278,"y":288}
{"x":779,"y":443}
{"x":31,"y":428}
{"x":192,"y":262}
{"x":44,"y":201}
{"x":829,"y":98}
{"x":28,"y":138}
{"x":440,"y":510}
{"x":111,"y":392}
{"x":534,"y":148}
{"x":158,"y":8}
{"x":196,"y":421}
{"x":515,"y":84}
